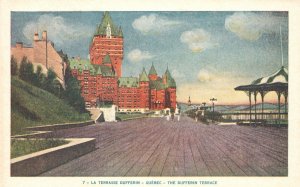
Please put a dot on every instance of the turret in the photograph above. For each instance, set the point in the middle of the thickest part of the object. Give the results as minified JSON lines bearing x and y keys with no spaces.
{"x":107,"y":60}
{"x":145,"y":90}
{"x":152,"y":73}
{"x":143,"y":76}
{"x":168,"y":79}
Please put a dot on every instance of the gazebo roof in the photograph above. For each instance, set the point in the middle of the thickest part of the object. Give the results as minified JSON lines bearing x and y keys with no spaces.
{"x":280,"y":76}
{"x":278,"y":81}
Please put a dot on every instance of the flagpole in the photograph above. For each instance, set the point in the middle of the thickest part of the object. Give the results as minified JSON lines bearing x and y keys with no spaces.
{"x":281,"y":47}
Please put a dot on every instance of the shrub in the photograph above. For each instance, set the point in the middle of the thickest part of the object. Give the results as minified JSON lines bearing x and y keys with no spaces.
{"x":13,"y":66}
{"x":26,"y":71}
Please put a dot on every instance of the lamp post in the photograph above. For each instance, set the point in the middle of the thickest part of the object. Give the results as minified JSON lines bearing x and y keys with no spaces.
{"x":204,"y":106}
{"x":213,"y":103}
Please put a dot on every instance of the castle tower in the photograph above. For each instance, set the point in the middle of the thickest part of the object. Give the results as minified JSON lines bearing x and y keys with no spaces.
{"x":144,"y":90}
{"x":170,"y":85}
{"x":107,"y":40}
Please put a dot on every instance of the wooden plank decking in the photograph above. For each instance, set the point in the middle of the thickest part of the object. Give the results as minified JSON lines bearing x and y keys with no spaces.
{"x":157,"y":147}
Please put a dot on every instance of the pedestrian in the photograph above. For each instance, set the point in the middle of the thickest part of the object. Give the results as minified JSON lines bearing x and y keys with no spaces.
{"x":168,"y":117}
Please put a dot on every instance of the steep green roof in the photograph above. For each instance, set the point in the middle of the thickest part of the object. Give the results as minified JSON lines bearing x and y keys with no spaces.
{"x":128,"y":82}
{"x":80,"y":64}
{"x":152,"y":71}
{"x":107,"y":71}
{"x":169,"y":79}
{"x":93,"y":68}
{"x":157,"y":84}
{"x":101,"y":29}
{"x":98,"y":71}
{"x":106,"y":59}
{"x":143,"y":76}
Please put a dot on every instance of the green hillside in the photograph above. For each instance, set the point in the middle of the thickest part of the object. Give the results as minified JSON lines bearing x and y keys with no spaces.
{"x":32,"y":106}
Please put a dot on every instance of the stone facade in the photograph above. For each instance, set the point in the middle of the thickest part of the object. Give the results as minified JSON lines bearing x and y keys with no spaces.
{"x":42,"y":53}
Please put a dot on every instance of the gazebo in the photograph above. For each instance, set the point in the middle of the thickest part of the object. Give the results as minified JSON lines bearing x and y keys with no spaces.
{"x":277,"y":82}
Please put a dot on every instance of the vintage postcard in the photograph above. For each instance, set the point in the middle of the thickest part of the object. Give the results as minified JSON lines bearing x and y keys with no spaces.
{"x":109,"y":94}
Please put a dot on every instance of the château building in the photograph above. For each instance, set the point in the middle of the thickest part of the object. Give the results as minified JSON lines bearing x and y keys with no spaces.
{"x":102,"y":82}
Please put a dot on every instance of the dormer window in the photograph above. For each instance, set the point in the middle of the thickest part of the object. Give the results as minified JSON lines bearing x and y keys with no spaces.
{"x":108,"y":31}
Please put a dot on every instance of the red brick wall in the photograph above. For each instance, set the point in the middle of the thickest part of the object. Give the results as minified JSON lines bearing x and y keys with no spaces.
{"x":129,"y":97}
{"x":95,"y":87}
{"x":171,"y":98}
{"x":144,"y":95}
{"x":112,"y":46}
{"x":157,"y":99}
{"x":108,"y":89}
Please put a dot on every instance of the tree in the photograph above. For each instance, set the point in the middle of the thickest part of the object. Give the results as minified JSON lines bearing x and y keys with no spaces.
{"x":22,"y":70}
{"x":57,"y":87}
{"x":49,"y":83}
{"x":73,"y":96}
{"x":26,"y":71}
{"x":39,"y":76}
{"x":13,"y":66}
{"x":68,"y":73}
{"x":72,"y":93}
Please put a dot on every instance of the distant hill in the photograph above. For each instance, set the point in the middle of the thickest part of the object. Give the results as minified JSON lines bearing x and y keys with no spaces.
{"x":183,"y":107}
{"x":234,"y":108}
{"x":32,"y":106}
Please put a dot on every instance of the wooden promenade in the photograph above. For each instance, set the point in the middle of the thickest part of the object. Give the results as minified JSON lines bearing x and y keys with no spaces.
{"x":157,"y":147}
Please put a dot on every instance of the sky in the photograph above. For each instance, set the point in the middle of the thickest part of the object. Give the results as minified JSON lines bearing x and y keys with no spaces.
{"x":207,"y":53}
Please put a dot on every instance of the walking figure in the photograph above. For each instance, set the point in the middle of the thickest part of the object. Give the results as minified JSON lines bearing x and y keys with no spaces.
{"x":168,"y":117}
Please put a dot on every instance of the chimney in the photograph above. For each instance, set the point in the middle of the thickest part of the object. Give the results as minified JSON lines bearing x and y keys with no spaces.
{"x":19,"y":45}
{"x":36,"y":36}
{"x":44,"y":35}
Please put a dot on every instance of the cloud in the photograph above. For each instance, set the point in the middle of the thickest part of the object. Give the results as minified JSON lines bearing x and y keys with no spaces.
{"x":205,"y":75}
{"x":137,"y":55}
{"x":177,"y":74}
{"x":251,"y":26}
{"x":197,"y":40}
{"x":58,"y":29}
{"x":153,"y":23}
{"x":200,"y":93}
{"x":212,"y":82}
